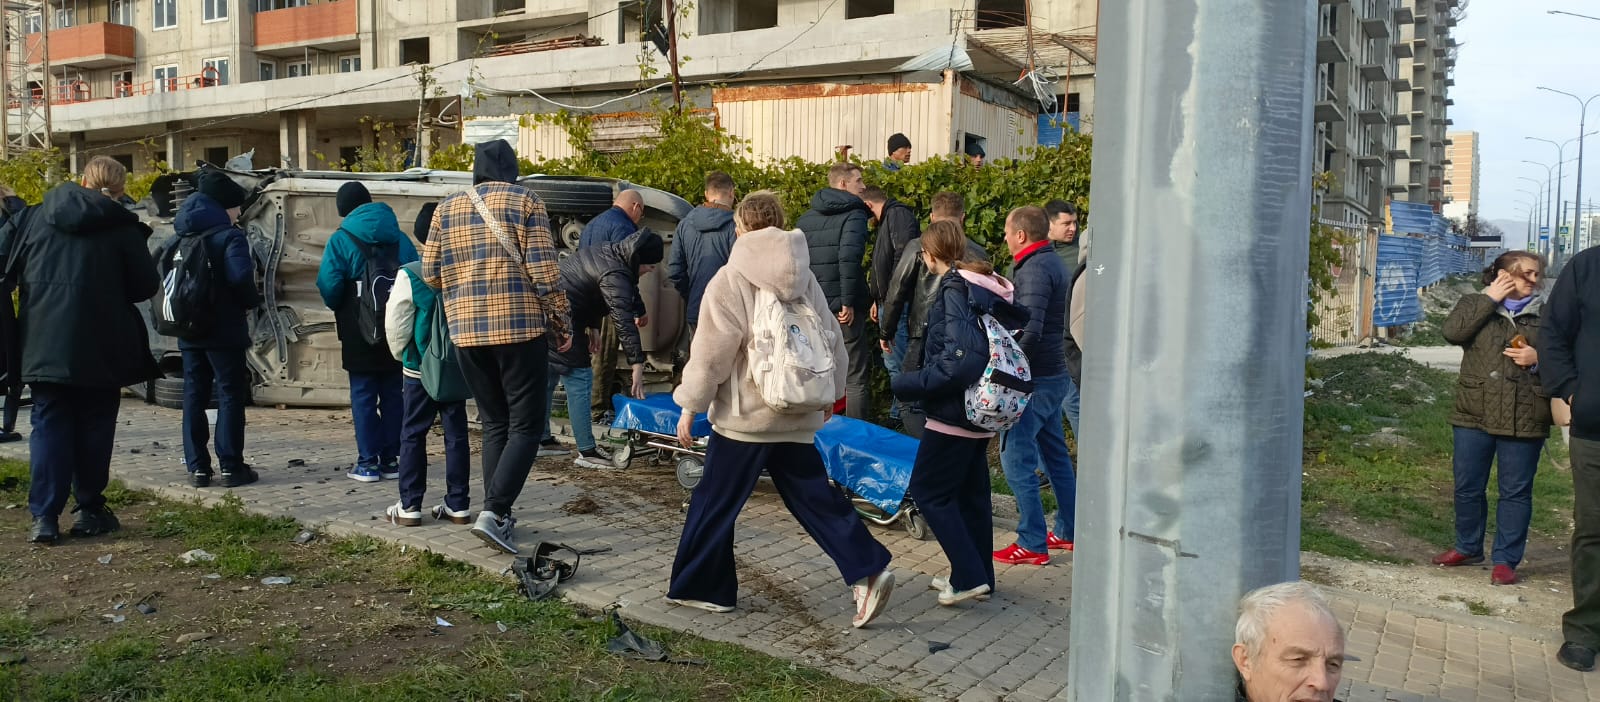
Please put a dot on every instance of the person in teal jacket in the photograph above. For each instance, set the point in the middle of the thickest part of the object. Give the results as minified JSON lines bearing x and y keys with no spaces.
{"x":375,"y":377}
{"x":408,"y":323}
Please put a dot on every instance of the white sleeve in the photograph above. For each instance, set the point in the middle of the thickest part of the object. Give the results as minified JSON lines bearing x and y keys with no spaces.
{"x":399,"y":316}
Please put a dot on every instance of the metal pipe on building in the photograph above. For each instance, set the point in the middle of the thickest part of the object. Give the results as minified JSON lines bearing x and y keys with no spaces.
{"x":1194,"y":407}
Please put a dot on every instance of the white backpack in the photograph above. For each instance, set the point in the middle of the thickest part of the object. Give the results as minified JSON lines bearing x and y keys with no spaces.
{"x":790,"y":355}
{"x":997,"y":400}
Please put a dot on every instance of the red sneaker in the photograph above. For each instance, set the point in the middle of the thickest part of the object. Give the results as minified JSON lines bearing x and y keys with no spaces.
{"x":1503,"y":575}
{"x":1056,"y":544}
{"x":1453,"y":558}
{"x":1017,"y":555}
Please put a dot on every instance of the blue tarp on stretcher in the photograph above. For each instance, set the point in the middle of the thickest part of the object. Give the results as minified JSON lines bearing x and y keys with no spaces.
{"x":873,"y":462}
{"x":655,"y":413}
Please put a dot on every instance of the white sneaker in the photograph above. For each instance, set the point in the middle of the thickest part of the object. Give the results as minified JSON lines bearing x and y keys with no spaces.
{"x":495,"y":532}
{"x":400,"y":516}
{"x":553,"y":448}
{"x":594,"y":459}
{"x":949,"y":596}
{"x":943,"y":584}
{"x":697,"y":604}
{"x":871,"y":596}
{"x":445,"y":514}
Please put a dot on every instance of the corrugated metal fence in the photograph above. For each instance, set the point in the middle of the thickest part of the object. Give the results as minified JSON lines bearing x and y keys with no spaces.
{"x":1420,"y":251}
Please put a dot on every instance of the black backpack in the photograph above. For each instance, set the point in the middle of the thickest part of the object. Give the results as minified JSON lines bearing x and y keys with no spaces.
{"x":371,"y":293}
{"x":186,"y":306}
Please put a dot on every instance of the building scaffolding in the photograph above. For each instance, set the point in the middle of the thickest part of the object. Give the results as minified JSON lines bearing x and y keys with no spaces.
{"x":24,"y":62}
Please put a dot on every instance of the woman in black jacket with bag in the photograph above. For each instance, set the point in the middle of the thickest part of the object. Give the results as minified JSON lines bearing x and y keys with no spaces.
{"x":950,"y":478}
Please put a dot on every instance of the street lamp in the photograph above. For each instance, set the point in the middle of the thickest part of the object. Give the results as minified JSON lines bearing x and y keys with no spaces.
{"x":1559,"y":211}
{"x":1583,"y":115}
{"x":1571,"y":14}
{"x":1541,"y":196}
{"x":1549,"y":192}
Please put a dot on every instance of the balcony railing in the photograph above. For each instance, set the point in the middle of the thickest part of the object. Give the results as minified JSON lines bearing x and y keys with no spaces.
{"x":96,"y":45}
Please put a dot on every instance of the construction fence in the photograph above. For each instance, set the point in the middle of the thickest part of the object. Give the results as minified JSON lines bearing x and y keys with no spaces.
{"x":1382,"y":273}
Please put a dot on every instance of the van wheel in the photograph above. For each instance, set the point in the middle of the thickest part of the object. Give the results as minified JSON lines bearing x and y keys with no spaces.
{"x":167,"y":392}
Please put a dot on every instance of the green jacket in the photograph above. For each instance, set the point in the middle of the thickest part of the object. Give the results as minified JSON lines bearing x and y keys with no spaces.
{"x":1494,"y":394}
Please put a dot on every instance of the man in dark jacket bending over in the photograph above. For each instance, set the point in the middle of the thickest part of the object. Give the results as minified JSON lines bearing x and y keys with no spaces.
{"x":836,"y":232}
{"x":599,"y":281}
{"x":897,"y":226}
{"x":216,"y":360}
{"x":701,"y":246}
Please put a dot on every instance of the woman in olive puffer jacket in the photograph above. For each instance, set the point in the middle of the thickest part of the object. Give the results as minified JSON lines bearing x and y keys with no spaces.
{"x":1501,"y":411}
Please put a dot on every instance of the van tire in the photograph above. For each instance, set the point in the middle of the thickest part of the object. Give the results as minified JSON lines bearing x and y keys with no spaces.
{"x":168,"y":392}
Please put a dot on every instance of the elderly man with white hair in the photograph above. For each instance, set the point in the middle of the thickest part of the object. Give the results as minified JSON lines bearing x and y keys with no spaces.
{"x":1288,"y":646}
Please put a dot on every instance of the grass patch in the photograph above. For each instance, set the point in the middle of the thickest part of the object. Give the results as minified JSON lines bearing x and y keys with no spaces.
{"x":229,"y":533}
{"x":1315,"y":538}
{"x":1378,"y":447}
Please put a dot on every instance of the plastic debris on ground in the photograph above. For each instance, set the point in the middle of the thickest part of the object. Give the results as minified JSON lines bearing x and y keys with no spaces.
{"x":105,"y":560}
{"x":115,"y":618}
{"x":630,"y":644}
{"x":197,"y":556}
{"x":440,"y":622}
{"x":502,"y":627}
{"x":937,"y":646}
{"x":193,"y":637}
{"x":304,"y":537}
{"x":277,"y":580}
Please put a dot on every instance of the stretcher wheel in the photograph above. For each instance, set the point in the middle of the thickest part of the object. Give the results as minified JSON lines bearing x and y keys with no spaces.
{"x":622,"y":455}
{"x":916,"y":526}
{"x":690,"y":469}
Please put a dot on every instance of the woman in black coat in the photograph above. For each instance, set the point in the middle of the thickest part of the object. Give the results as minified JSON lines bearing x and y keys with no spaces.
{"x":84,"y":265}
{"x":950,"y":478}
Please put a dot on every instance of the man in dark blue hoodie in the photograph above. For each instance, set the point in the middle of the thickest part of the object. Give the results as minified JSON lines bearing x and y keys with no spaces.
{"x":217,"y":359}
{"x":375,"y":377}
{"x":836,"y":231}
{"x":700,"y":247}
{"x":615,"y":224}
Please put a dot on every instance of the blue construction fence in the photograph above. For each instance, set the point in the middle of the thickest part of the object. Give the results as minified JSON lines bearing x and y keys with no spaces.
{"x":1418,"y":251}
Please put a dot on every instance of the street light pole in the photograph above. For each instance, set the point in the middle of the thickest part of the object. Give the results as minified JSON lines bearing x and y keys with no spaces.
{"x":1571,"y":14}
{"x":1561,"y":182}
{"x":1186,"y":513}
{"x":1545,"y":244}
{"x":1550,"y":200}
{"x":1583,"y":115}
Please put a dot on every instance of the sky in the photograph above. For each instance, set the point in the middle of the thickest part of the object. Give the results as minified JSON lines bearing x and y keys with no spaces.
{"x":1509,"y":49}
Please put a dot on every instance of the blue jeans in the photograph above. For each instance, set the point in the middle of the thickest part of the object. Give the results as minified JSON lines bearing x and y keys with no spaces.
{"x":1475,"y":452}
{"x":224,"y":371}
{"x":1035,"y":442}
{"x":580,"y":383}
{"x":376,"y":409}
{"x":70,"y":446}
{"x":894,"y":359}
{"x":1069,"y":407}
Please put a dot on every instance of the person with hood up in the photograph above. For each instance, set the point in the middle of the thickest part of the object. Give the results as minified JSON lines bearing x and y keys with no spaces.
{"x":600,"y":281}
{"x":84,"y":264}
{"x":749,"y":436}
{"x":836,"y":233}
{"x":492,"y":256}
{"x":407,"y":326}
{"x":950,"y":477}
{"x":13,"y":217}
{"x":701,"y":246}
{"x":217,"y":359}
{"x":369,"y":228}
{"x":1502,"y":413}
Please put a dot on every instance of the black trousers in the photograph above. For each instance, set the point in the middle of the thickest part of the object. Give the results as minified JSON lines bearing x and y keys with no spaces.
{"x":508,"y":383}
{"x":950,"y":484}
{"x":704,"y":569}
{"x":1582,"y":624}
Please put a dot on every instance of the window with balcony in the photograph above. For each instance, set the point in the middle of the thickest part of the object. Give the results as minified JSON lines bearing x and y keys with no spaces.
{"x":350,"y":64}
{"x":997,"y":14}
{"x":267,"y":70}
{"x":166,"y":78}
{"x":868,"y":8}
{"x":66,"y":15}
{"x":33,"y":23}
{"x":166,"y":14}
{"x":723,"y":16}
{"x":635,"y":18}
{"x":215,"y":10}
{"x":216,"y":71}
{"x":122,"y":12}
{"x":298,"y":69}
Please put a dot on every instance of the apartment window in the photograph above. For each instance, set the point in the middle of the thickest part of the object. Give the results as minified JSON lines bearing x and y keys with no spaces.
{"x":166,"y":14}
{"x":414,"y":51}
{"x":349,"y":64}
{"x":33,"y":23}
{"x":66,"y":16}
{"x":270,"y":5}
{"x":125,"y":159}
{"x":121,"y":84}
{"x":348,"y":155}
{"x":502,"y":7}
{"x":215,"y":10}
{"x":298,"y":69}
{"x":723,"y":16}
{"x":217,"y":155}
{"x":868,"y":8}
{"x":167,"y":78}
{"x":122,"y":12}
{"x":997,"y":14}
{"x":216,"y":71}
{"x":269,"y":71}
{"x":636,"y":17}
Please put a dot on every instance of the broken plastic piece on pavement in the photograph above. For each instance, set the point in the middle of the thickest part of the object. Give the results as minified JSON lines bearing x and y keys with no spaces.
{"x":277,"y":580}
{"x":297,"y":462}
{"x":197,"y":556}
{"x":937,"y":646}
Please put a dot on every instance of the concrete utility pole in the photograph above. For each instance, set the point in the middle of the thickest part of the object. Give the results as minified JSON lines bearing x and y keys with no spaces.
{"x":1194,"y":366}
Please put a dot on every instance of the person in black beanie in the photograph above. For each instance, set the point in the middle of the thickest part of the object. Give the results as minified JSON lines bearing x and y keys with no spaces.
{"x":350,"y":196}
{"x":216,"y":360}
{"x":899,"y":153}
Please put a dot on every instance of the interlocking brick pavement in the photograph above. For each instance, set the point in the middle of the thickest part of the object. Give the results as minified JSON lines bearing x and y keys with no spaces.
{"x":792,"y":603}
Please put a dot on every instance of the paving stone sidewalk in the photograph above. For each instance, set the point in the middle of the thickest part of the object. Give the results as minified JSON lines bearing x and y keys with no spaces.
{"x":792,"y":602}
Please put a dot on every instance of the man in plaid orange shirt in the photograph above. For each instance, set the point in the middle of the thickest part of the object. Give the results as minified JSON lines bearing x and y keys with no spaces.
{"x":493,"y":259}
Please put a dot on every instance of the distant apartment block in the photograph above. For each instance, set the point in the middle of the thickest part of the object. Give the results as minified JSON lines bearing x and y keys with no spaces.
{"x":182,"y":80}
{"x":1461,"y":175}
{"x":1429,"y":74}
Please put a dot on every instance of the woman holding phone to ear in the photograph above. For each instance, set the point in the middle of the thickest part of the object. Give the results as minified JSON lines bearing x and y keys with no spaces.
{"x":1502,"y":414}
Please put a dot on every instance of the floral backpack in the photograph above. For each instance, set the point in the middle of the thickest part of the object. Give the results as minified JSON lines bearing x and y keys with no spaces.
{"x":996,"y":401}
